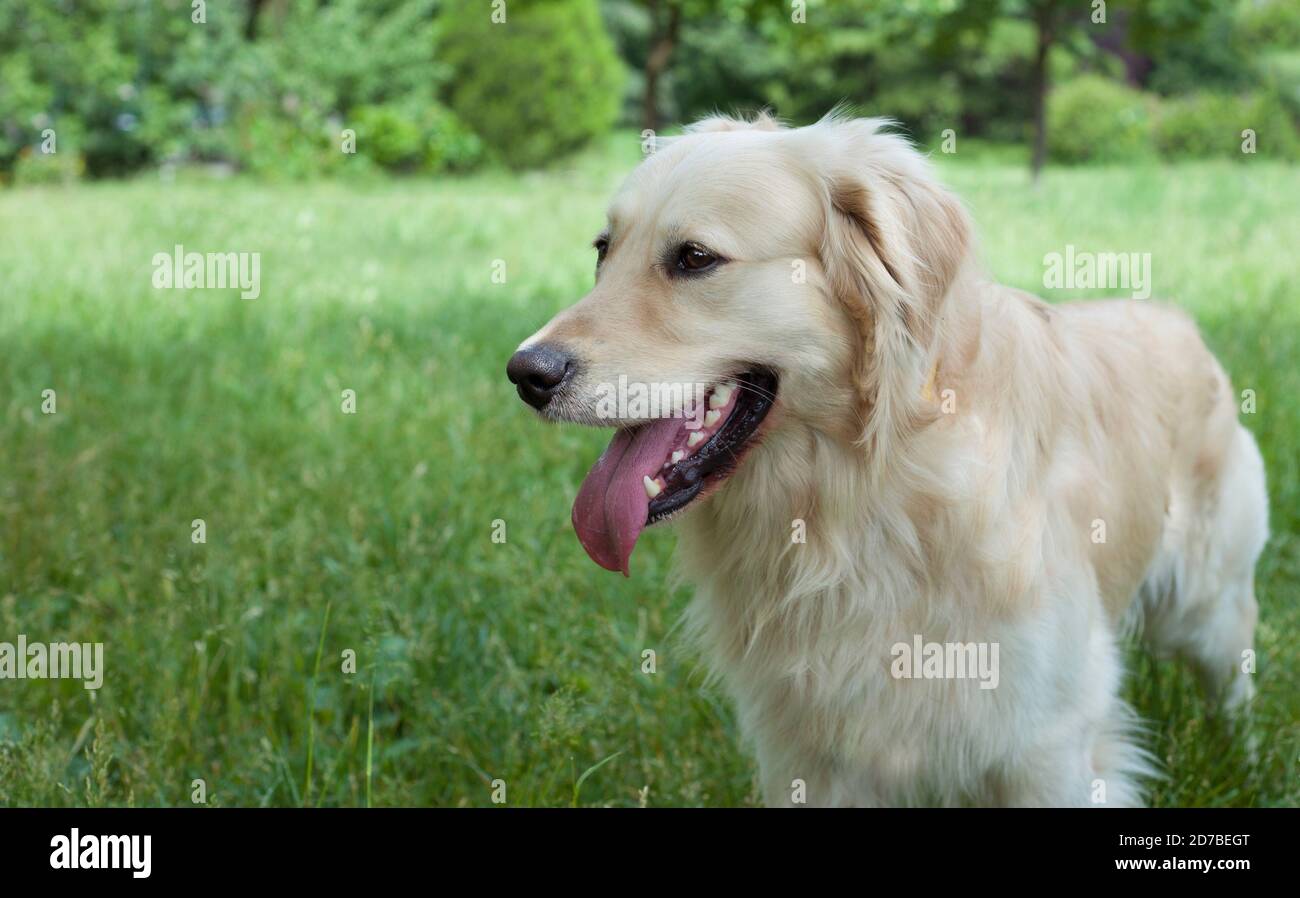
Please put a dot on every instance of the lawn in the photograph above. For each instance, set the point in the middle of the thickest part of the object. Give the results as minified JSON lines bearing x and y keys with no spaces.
{"x":329,"y":533}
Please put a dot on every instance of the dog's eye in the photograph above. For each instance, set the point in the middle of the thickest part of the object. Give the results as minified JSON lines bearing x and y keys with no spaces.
{"x":602,"y":247}
{"x":693,"y":257}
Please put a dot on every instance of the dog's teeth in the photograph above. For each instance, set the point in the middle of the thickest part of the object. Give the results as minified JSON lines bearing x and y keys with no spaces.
{"x":712,"y":417}
{"x":677,"y":456}
{"x":721,"y":394}
{"x":652,"y":489}
{"x":694,"y":439}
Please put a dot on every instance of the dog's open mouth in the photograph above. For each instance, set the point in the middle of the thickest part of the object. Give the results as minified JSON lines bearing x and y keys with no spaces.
{"x":651,"y":471}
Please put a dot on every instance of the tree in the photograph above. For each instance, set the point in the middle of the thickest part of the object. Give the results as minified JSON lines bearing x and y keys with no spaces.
{"x":1054,"y":22}
{"x":1073,"y":24}
{"x":665,"y":24}
{"x":1049,"y":18}
{"x":537,"y":86}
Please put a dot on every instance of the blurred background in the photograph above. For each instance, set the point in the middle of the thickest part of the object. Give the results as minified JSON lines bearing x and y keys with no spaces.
{"x":387,"y":604}
{"x":434,"y":86}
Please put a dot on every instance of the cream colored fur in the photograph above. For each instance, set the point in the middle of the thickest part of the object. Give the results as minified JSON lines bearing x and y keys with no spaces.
{"x":953,"y":448}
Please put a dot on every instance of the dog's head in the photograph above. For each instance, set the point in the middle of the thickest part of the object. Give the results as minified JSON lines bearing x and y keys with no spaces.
{"x":750,"y":278}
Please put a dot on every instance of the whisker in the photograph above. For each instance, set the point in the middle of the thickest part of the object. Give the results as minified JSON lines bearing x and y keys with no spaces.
{"x":757,"y":390}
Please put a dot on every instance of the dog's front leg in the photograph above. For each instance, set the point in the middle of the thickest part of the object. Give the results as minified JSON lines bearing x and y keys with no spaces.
{"x":1099,"y":766}
{"x":790,"y":780}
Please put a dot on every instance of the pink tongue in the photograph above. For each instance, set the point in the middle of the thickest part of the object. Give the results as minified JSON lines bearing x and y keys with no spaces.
{"x":610,"y":511}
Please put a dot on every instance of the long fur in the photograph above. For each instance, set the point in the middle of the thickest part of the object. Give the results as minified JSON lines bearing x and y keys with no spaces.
{"x":953,"y":449}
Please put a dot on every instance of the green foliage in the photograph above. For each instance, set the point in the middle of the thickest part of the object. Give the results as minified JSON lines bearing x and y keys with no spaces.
{"x":629,"y":24}
{"x":285,"y":143}
{"x":890,"y":60}
{"x":341,"y":54}
{"x":1092,"y":119}
{"x":1269,"y":23}
{"x":728,"y":67}
{"x":1281,"y":72}
{"x":23,"y":104}
{"x":938,"y":64}
{"x":1194,"y":45}
{"x":33,"y":167}
{"x":1210,"y":125}
{"x":435,"y":86}
{"x":542,"y":85}
{"x":315,"y":72}
{"x":995,"y":89}
{"x":102,"y":71}
{"x":449,"y":145}
{"x":389,"y":136}
{"x":430,"y":138}
{"x":131,"y":85}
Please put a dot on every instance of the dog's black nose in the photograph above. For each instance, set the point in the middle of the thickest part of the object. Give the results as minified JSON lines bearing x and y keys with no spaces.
{"x":538,"y":372}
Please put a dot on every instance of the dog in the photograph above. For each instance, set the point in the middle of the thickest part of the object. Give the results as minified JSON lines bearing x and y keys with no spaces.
{"x":903,"y":472}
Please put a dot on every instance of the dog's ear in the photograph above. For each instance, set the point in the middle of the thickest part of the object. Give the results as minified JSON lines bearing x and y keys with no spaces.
{"x":895,"y":242}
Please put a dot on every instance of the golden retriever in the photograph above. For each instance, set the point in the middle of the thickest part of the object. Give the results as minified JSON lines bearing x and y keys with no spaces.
{"x":918,"y":508}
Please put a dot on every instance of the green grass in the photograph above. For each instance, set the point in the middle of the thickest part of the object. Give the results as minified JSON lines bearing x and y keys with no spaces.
{"x":475,"y":661}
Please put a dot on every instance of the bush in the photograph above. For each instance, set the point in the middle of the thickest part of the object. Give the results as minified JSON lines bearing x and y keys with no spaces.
{"x":141,"y":83}
{"x":1193,"y":45}
{"x":1281,"y":73}
{"x":388,"y":135}
{"x":128,"y":79}
{"x":314,"y":72}
{"x":541,"y":84}
{"x":1210,"y":125}
{"x":24,"y":102}
{"x":448,"y":144}
{"x":728,"y":60}
{"x":1269,"y":23}
{"x":286,"y":142}
{"x":1091,"y":119}
{"x":429,"y":139}
{"x":33,"y":167}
